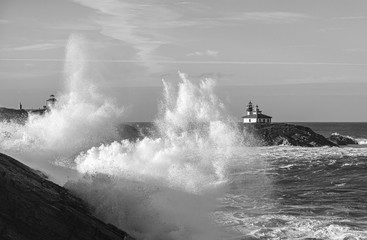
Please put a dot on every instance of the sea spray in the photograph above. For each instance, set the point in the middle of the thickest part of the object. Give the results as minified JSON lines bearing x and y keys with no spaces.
{"x":81,"y":118}
{"x":168,"y":183}
{"x":195,"y":140}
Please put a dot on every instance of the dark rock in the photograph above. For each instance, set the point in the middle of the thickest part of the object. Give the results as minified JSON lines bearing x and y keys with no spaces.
{"x":283,"y":134}
{"x":129,"y":132}
{"x":16,"y":115}
{"x":342,"y":140}
{"x":33,"y":208}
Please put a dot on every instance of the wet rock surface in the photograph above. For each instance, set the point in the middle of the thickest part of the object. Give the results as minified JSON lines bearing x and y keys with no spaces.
{"x":342,"y":140}
{"x":17,"y":115}
{"x":283,"y":134}
{"x":33,"y":208}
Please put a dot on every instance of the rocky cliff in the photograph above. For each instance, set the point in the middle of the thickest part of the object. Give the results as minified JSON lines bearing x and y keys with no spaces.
{"x":33,"y":208}
{"x":8,"y":114}
{"x":283,"y":134}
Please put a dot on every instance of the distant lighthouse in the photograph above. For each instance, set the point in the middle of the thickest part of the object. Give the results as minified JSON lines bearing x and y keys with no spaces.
{"x":249,"y":108}
{"x":255,"y":115}
{"x":50,"y":103}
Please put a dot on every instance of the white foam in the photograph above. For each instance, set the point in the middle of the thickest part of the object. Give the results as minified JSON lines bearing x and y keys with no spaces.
{"x":81,"y":118}
{"x":289,"y":227}
{"x":361,"y":141}
{"x":186,"y":162}
{"x":190,"y":154}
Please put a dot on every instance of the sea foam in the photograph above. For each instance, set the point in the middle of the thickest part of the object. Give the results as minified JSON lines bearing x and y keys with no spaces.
{"x":171,"y":179}
{"x":81,"y":118}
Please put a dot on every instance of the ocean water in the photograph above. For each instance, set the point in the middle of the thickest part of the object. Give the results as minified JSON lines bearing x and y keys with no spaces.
{"x":286,"y":192}
{"x":298,"y":193}
{"x":191,"y":176}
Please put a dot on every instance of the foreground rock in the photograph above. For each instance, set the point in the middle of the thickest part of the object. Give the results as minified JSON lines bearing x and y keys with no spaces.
{"x":33,"y":208}
{"x":8,"y":114}
{"x":283,"y":134}
{"x":129,"y":132}
{"x":342,"y":140}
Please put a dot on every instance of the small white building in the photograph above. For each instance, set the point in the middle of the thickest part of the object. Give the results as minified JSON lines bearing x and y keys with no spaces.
{"x":255,"y":115}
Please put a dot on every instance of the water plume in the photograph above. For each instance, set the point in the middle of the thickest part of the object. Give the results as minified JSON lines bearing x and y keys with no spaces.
{"x":169,"y":181}
{"x":190,"y":154}
{"x":80,"y":119}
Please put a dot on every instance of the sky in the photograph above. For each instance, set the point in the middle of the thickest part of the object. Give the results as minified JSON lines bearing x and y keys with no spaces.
{"x":299,"y":60}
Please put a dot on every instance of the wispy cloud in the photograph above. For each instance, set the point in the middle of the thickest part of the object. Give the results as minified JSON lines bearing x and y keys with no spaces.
{"x":37,"y":47}
{"x":82,"y":26}
{"x":135,"y":23}
{"x":346,"y":64}
{"x":315,"y":79}
{"x":209,"y":53}
{"x":235,"y":18}
{"x":270,"y":17}
{"x":353,"y":18}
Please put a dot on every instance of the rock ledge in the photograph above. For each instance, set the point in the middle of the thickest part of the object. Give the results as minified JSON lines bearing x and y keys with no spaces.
{"x":283,"y":134}
{"x":33,"y":208}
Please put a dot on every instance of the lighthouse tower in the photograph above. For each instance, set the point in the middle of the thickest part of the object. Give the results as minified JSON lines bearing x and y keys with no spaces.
{"x":249,"y":108}
{"x":50,"y":103}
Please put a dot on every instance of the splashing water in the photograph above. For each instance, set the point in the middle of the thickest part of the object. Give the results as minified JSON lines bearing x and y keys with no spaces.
{"x":82,"y":118}
{"x":169,"y":178}
{"x":190,"y":154}
{"x":155,"y":188}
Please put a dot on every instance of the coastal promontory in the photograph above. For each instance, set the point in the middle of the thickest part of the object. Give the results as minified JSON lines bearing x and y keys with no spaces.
{"x":33,"y":208}
{"x":9,"y":114}
{"x":283,"y":134}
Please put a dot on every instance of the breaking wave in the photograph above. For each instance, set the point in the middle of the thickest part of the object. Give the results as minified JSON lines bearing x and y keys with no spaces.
{"x":81,"y":118}
{"x":190,"y":154}
{"x":360,"y":141}
{"x":174,"y":174}
{"x":160,"y":187}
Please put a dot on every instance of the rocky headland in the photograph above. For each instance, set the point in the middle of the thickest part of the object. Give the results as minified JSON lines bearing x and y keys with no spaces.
{"x":283,"y":134}
{"x":342,"y":140}
{"x":16,"y":115}
{"x":33,"y":208}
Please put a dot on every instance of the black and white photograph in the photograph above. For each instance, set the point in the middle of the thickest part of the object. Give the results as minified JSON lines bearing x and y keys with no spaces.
{"x":183,"y":119}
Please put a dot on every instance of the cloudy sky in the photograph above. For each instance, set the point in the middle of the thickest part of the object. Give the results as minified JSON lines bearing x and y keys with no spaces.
{"x":302,"y":60}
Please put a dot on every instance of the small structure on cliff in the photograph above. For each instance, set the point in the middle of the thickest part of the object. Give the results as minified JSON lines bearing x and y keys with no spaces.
{"x":254,"y":115}
{"x":50,"y":103}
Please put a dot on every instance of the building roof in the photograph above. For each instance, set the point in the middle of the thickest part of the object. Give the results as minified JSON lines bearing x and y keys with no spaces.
{"x":260,"y":115}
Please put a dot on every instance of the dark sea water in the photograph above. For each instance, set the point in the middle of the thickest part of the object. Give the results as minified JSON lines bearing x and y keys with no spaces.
{"x":288,"y":192}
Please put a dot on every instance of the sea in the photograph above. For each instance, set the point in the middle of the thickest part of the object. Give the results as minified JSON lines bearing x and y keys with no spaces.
{"x":190,"y":175}
{"x":301,"y":193}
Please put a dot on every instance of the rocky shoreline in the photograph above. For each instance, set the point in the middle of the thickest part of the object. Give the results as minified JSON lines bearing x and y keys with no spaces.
{"x":33,"y":208}
{"x":283,"y":134}
{"x":342,"y":140}
{"x":9,"y":114}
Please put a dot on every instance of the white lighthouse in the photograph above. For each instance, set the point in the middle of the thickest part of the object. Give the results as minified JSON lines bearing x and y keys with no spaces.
{"x":50,"y":103}
{"x":254,"y":115}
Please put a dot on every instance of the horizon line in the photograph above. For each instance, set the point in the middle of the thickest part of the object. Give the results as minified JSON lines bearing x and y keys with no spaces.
{"x":189,"y":62}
